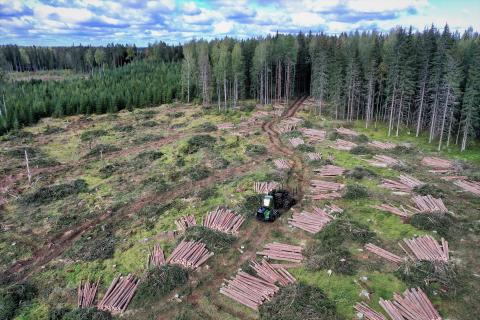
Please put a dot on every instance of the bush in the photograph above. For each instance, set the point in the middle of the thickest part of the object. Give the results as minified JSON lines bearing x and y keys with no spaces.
{"x":158,"y":282}
{"x":361,"y":172}
{"x":87,"y":314}
{"x":306,"y":148}
{"x":340,"y":230}
{"x":123,"y":128}
{"x":361,"y":138}
{"x":158,"y":182}
{"x":299,"y":302}
{"x":148,"y":138}
{"x":429,"y":189}
{"x":149,"y":156}
{"x":214,"y":240}
{"x":109,"y":169}
{"x":52,"y":130}
{"x":195,"y":143}
{"x":14,"y":298}
{"x":206,"y":193}
{"x":55,"y":192}
{"x":177,"y":114}
{"x":102,"y":149}
{"x":207,"y":127}
{"x":150,"y":123}
{"x":338,"y":259}
{"x":198,"y":173}
{"x":92,"y":134}
{"x":440,"y":222}
{"x":360,"y":150}
{"x":401,"y":150}
{"x":355,"y":191}
{"x":99,"y":243}
{"x":57,"y":313}
{"x":255,"y":149}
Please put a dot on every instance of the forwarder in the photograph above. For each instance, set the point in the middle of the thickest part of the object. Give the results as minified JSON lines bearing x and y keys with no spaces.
{"x":274,"y":204}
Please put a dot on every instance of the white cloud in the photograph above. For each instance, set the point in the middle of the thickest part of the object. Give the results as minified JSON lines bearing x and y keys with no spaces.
{"x":223,"y":27}
{"x":307,"y":19}
{"x":384,"y":5}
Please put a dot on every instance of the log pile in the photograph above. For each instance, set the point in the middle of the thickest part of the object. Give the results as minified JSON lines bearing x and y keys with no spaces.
{"x":450,"y":178}
{"x":383,"y":161}
{"x":86,"y":294}
{"x":156,"y":257}
{"x":406,"y":183}
{"x":347,"y":132}
{"x":365,"y":312}
{"x":119,"y":294}
{"x":470,"y":186}
{"x":223,"y":220}
{"x":183,"y":223}
{"x":412,"y":305}
{"x":381,"y":145}
{"x":311,"y":222}
{"x":296,"y":141}
{"x":437,"y":163}
{"x":426,"y":248}
{"x":272,"y":274}
{"x":259,"y":114}
{"x":288,"y":125}
{"x":387,"y":255}
{"x":332,"y":208}
{"x":190,"y":254}
{"x":282,"y":164}
{"x":323,"y":190}
{"x":429,"y":204}
{"x":265,"y":187}
{"x":343,"y":145}
{"x":280,"y":251}
{"x":314,"y":156}
{"x":330,"y":171}
{"x":225,"y":126}
{"x":314,"y":135}
{"x":403,"y":213}
{"x":249,"y":290}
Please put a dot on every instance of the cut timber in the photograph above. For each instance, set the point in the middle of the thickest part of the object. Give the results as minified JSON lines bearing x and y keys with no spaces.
{"x":450,"y":178}
{"x":272,"y":274}
{"x":324,"y":190}
{"x":156,"y":258}
{"x":330,"y":171}
{"x":412,"y":305}
{"x":403,"y":213}
{"x":470,"y":186}
{"x":365,"y":312}
{"x":426,"y":248}
{"x":383,"y":161}
{"x":185,"y":222}
{"x":314,"y":156}
{"x":343,"y":145}
{"x":347,"y":132}
{"x":190,"y":254}
{"x":332,"y":208}
{"x":437,"y":163}
{"x":311,"y":222}
{"x":288,"y":125}
{"x":86,"y":294}
{"x":383,"y":253}
{"x":119,"y":294}
{"x":282,"y":164}
{"x":314,"y":135}
{"x":280,"y":251}
{"x":223,"y":220}
{"x":265,"y":187}
{"x":406,"y":183}
{"x":296,"y":142}
{"x":429,"y":204}
{"x":225,"y":126}
{"x":381,"y":145}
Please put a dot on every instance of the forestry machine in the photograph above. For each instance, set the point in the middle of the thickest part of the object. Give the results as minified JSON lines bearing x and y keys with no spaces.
{"x":274,"y":204}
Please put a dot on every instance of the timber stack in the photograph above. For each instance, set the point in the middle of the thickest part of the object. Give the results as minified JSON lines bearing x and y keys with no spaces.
{"x":323,"y":190}
{"x":282,"y":164}
{"x":382,"y":145}
{"x":280,"y":251}
{"x":272,"y":274}
{"x":86,"y":294}
{"x":223,"y":220}
{"x":387,"y":255}
{"x":426,"y":248}
{"x":383,"y":161}
{"x":429,"y":204}
{"x":438,"y":165}
{"x":412,"y":305}
{"x":470,"y":186}
{"x":156,"y":258}
{"x":185,"y":222}
{"x":296,"y":141}
{"x":190,"y":254}
{"x":119,"y":294}
{"x":310,"y":222}
{"x":332,"y":208}
{"x":347,"y":132}
{"x":406,"y":183}
{"x":330,"y":171}
{"x":343,"y":145}
{"x":365,"y":312}
{"x":225,"y":126}
{"x":314,"y":135}
{"x":314,"y":156}
{"x":288,"y":124}
{"x":265,"y":187}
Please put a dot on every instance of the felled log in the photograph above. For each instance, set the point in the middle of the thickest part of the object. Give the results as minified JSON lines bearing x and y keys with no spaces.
{"x":332,"y":208}
{"x":412,"y":305}
{"x":429,"y":204}
{"x":86,"y":294}
{"x":280,"y":251}
{"x":325,"y":190}
{"x":387,"y":255}
{"x":343,"y":145}
{"x":156,"y":258}
{"x":314,"y":135}
{"x":311,"y":222}
{"x":189,"y":254}
{"x":330,"y":171}
{"x":265,"y":187}
{"x":403,"y":213}
{"x":225,"y":126}
{"x":272,"y":274}
{"x":119,"y":294}
{"x":470,"y":186}
{"x":426,"y":248}
{"x":314,"y":156}
{"x":383,"y":161}
{"x":381,"y":145}
{"x":406,"y":183}
{"x":223,"y":220}
{"x":347,"y":132}
{"x":365,"y":312}
{"x":296,"y":141}
{"x":185,"y":222}
{"x":437,"y":163}
{"x":288,"y":124}
{"x":282,"y":164}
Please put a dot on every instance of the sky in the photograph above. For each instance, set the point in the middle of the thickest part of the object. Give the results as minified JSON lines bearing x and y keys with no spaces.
{"x":94,"y":22}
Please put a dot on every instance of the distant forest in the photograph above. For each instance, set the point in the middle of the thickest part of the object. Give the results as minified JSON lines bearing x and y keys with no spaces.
{"x":427,"y":81}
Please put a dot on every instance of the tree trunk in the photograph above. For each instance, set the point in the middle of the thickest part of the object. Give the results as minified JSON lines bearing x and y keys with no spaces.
{"x":391,"y":112}
{"x":443,"y":120}
{"x":420,"y":111}
{"x":399,"y":116}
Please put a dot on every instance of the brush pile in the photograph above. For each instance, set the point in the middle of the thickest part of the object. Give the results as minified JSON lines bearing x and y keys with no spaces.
{"x":347,"y":132}
{"x":282,"y":164}
{"x":382,"y":145}
{"x":365,"y":312}
{"x":403,"y":213}
{"x":156,"y":257}
{"x":323,"y":190}
{"x":343,"y":145}
{"x":259,"y":115}
{"x":272,"y":274}
{"x":314,"y":135}
{"x":183,"y":223}
{"x":429,"y":204}
{"x":264,"y":187}
{"x":119,"y":294}
{"x":470,"y":186}
{"x":387,"y":255}
{"x":383,"y":161}
{"x":413,"y":305}
{"x":314,"y":156}
{"x":310,"y":222}
{"x":225,"y":126}
{"x":190,"y":254}
{"x":86,"y":294}
{"x":406,"y":183}
{"x":330,"y":171}
{"x":296,"y":142}
{"x":439,"y":165}
{"x":426,"y":248}
{"x":280,"y":251}
{"x":223,"y":220}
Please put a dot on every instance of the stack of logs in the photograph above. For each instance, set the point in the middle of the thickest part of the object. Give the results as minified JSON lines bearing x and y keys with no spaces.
{"x":381,"y":145}
{"x":406,"y":183}
{"x":330,"y":171}
{"x":403,"y":213}
{"x":282,"y":164}
{"x":310,"y":222}
{"x":280,"y":251}
{"x":439,"y":165}
{"x":119,"y":294}
{"x":365,"y":312}
{"x":426,"y":248}
{"x":183,"y":223}
{"x":413,"y":305}
{"x":225,"y":126}
{"x":383,"y":161}
{"x":314,"y":156}
{"x":470,"y":186}
{"x":156,"y":257}
{"x":429,"y":204}
{"x":223,"y":220}
{"x":296,"y":141}
{"x":387,"y":255}
{"x":332,"y":208}
{"x":343,"y":145}
{"x":272,"y":274}
{"x":264,"y":187}
{"x":347,"y":132}
{"x":86,"y":294}
{"x":323,"y":190}
{"x":190,"y":254}
{"x":288,"y":124}
{"x":314,"y":135}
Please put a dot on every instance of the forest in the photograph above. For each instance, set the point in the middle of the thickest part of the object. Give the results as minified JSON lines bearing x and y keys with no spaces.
{"x":427,"y":82}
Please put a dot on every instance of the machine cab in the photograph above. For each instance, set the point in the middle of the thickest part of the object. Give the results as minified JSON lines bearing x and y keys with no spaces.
{"x":267,"y":201}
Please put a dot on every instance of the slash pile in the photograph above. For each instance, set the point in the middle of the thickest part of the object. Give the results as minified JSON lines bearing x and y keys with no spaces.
{"x":381,"y":145}
{"x":426,"y":248}
{"x":365,"y":312}
{"x":413,"y":305}
{"x":183,"y":223}
{"x":322,"y":190}
{"x":223,"y":220}
{"x":406,"y":183}
{"x":156,"y":258}
{"x":272,"y":274}
{"x":470,"y":186}
{"x":314,"y":156}
{"x":330,"y":171}
{"x":296,"y":142}
{"x":264,"y":187}
{"x":347,"y":132}
{"x":310,"y":222}
{"x":86,"y":294}
{"x":119,"y":294}
{"x":280,"y":251}
{"x":429,"y":204}
{"x":440,"y":165}
{"x":314,"y":135}
{"x":383,"y":161}
{"x":343,"y":145}
{"x":190,"y":254}
{"x":403,"y":213}
{"x":282,"y":164}
{"x":383,"y":253}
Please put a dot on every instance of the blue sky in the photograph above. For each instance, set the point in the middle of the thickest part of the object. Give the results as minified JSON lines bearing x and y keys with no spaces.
{"x":62,"y":22}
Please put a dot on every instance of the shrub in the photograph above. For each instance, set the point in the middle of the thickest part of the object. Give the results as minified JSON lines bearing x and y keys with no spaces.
{"x":333,"y":136}
{"x":337,"y":259}
{"x":198,"y":173}
{"x":195,"y":143}
{"x":158,"y":282}
{"x":206,"y":193}
{"x":92,"y":134}
{"x":255,"y":149}
{"x":440,"y":222}
{"x":109,"y":169}
{"x":306,"y":148}
{"x":207,"y":127}
{"x":361,"y":138}
{"x":149,"y":156}
{"x":340,"y":230}
{"x":87,"y":314}
{"x":159,"y":183}
{"x":429,"y":189}
{"x":150,"y":123}
{"x":123,"y":128}
{"x":102,"y":149}
{"x":361,"y":172}
{"x":177,"y":114}
{"x":360,"y":150}
{"x":52,"y":130}
{"x":299,"y":302}
{"x":250,"y":205}
{"x":402,"y":168}
{"x":14,"y":298}
{"x":56,"y":192}
{"x":154,"y":210}
{"x":57,"y":313}
{"x":214,"y":240}
{"x":355,"y":191}
{"x":401,"y":150}
{"x":148,"y":138}
{"x":99,"y":243}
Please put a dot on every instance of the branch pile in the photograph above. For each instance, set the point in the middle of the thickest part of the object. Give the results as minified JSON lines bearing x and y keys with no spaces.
{"x":314,"y":135}
{"x":86,"y":294}
{"x":470,"y":186}
{"x":406,"y":183}
{"x":429,"y":204}
{"x":280,"y":251}
{"x":185,"y":222}
{"x":426,"y":248}
{"x":365,"y":312}
{"x":314,"y":156}
{"x":282,"y":164}
{"x":343,"y":145}
{"x":310,"y":222}
{"x":156,"y":258}
{"x":403,"y":213}
{"x":223,"y":220}
{"x":383,"y":161}
{"x":272,"y":274}
{"x":387,"y":255}
{"x":438,"y":164}
{"x":323,"y":190}
{"x":119,"y":294}
{"x":190,"y":254}
{"x":381,"y":145}
{"x":296,"y":141}
{"x":265,"y":187}
{"x":413,"y":305}
{"x":347,"y":132}
{"x":330,"y":171}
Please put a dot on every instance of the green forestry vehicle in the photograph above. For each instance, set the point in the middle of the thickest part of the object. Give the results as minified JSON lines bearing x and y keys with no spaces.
{"x":274,"y":204}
